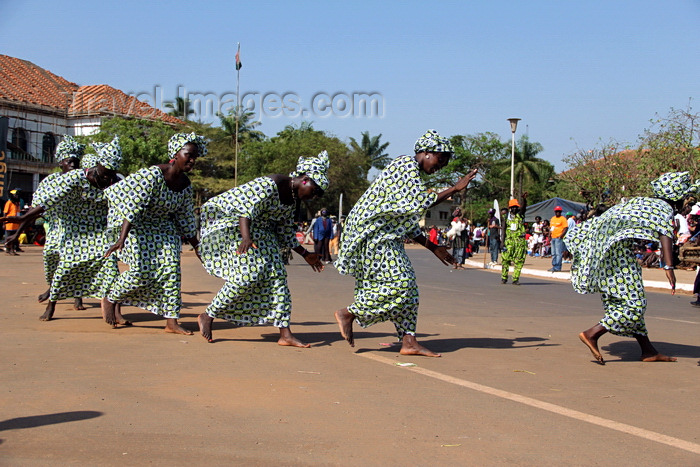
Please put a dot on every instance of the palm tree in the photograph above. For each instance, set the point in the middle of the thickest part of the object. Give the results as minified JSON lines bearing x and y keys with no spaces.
{"x":246,"y":126}
{"x":526,"y":165}
{"x":180,"y":108}
{"x":371,"y":151}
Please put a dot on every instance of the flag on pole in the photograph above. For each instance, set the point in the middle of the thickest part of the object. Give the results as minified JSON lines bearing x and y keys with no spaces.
{"x":238,"y":58}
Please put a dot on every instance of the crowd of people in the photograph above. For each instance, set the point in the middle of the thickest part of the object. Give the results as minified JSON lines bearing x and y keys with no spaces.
{"x":95,"y":218}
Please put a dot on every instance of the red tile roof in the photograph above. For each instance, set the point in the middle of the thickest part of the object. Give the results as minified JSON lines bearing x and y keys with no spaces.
{"x":100,"y":99}
{"x":23,"y":82}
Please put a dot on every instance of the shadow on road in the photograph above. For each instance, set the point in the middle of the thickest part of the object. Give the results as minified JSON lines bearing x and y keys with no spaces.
{"x":48,"y":419}
{"x":629,"y":350}
{"x":454,"y":344}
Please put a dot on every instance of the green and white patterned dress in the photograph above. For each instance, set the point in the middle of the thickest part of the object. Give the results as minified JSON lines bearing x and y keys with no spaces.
{"x":79,"y":236}
{"x":256,"y":290}
{"x":604,"y":262}
{"x":51,"y":228}
{"x":159,"y":218}
{"x":372,"y":246}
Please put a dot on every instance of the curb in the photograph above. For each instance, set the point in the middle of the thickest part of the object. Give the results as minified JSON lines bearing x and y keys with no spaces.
{"x":567,"y":276}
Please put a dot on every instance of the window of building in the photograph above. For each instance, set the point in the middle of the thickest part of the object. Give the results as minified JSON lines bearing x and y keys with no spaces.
{"x":21,"y":141}
{"x":444,"y":215}
{"x":427,"y":214}
{"x":48,"y":147}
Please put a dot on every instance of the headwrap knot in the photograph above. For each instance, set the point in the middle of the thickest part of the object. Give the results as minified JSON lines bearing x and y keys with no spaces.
{"x":109,"y":155}
{"x":316,"y":168}
{"x":674,"y":185}
{"x":69,"y":147}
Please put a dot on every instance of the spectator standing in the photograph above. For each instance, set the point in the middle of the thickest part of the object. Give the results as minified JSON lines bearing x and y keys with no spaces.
{"x":323,"y":232}
{"x":537,"y":237}
{"x":558,"y":226}
{"x":478,"y":238}
{"x":433,"y":235}
{"x":335,"y":238}
{"x":494,"y":236}
{"x":12,"y":209}
{"x":459,"y":241}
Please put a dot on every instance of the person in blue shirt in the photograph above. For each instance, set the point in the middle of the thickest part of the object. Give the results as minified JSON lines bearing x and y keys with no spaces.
{"x":323,"y":232}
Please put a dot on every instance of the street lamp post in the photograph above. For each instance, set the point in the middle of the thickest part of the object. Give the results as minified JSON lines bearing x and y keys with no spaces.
{"x":513,"y":127}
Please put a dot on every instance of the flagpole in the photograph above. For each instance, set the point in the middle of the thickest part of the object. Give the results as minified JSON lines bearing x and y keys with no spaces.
{"x":238,"y":110}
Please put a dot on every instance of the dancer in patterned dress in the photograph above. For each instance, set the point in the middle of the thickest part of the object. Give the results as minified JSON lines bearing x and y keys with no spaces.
{"x":68,"y":152}
{"x":515,"y":244}
{"x":372,"y":247}
{"x":243,"y":233}
{"x":604,"y":261}
{"x":77,"y":200}
{"x":151,"y":209}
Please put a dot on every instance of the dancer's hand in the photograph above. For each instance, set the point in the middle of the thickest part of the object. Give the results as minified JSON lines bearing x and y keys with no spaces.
{"x":464,"y":181}
{"x":314,"y":261}
{"x":443,"y":255}
{"x":246,"y":244}
{"x":116,"y":247}
{"x":671,"y":276}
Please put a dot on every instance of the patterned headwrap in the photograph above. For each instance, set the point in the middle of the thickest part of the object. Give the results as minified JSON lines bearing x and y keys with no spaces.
{"x":88,"y":161}
{"x":433,"y":142}
{"x":674,"y":185}
{"x":315,"y":167}
{"x":69,"y":147}
{"x":178,"y":141}
{"x":109,"y":155}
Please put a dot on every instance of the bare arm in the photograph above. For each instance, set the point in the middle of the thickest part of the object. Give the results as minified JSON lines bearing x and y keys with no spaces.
{"x":126,"y":228}
{"x":459,"y":186}
{"x":311,"y":258}
{"x":246,"y":242}
{"x":667,"y":253}
{"x":27,"y":219}
{"x":438,"y":251}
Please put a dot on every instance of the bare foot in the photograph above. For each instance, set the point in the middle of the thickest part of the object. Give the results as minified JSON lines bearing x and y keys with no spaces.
{"x":286,"y":338}
{"x":108,"y":312}
{"x":592,"y":345}
{"x":410,"y":346}
{"x":344,"y":319}
{"x":658,"y":358}
{"x":45,"y":296}
{"x":171,"y":325}
{"x":48,"y":314}
{"x":118,"y":315}
{"x":204,"y":321}
{"x":78,"y":304}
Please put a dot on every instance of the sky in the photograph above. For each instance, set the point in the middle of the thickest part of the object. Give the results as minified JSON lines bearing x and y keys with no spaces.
{"x":578,"y":74}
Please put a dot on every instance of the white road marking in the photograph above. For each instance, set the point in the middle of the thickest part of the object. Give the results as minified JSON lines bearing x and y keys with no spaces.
{"x":566,"y":412}
{"x":671,"y":319}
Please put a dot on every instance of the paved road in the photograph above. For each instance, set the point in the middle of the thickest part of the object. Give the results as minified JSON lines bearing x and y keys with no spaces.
{"x":515,"y":386}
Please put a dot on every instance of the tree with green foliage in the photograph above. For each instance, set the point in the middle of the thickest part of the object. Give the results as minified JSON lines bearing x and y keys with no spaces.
{"x":246,"y":126}
{"x":527,"y":167}
{"x":371,"y":151}
{"x":180,"y":108}
{"x":280,"y":154}
{"x":672,"y":144}
{"x":609,"y":173}
{"x":144,"y":142}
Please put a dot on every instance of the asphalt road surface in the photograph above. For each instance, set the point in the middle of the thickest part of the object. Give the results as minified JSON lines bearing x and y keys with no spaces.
{"x":515,"y":386}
